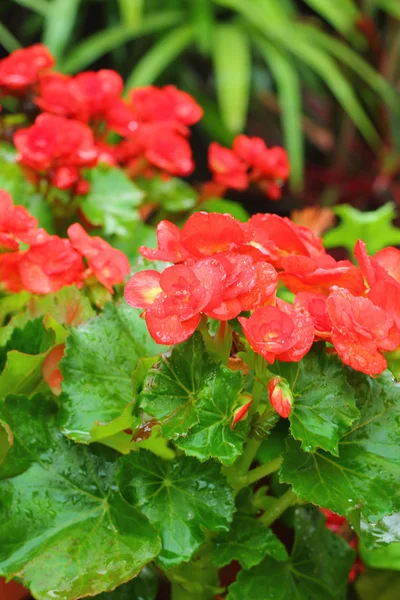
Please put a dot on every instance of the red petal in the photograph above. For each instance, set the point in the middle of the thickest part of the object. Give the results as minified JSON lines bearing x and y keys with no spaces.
{"x":142,"y":289}
{"x":169,"y":330}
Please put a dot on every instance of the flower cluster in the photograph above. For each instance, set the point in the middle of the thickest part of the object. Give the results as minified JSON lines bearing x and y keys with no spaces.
{"x":249,"y":161}
{"x":82,"y":114}
{"x":223,"y":267}
{"x":40,"y":263}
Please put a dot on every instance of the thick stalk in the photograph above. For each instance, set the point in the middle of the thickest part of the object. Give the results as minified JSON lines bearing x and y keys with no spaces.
{"x":262,"y":471}
{"x":278,"y":508}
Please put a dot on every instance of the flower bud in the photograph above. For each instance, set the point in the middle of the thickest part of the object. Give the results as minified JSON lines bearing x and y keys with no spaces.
{"x":241,"y":412}
{"x":280,"y":396}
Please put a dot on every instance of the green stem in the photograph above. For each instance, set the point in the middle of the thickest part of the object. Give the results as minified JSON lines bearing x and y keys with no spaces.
{"x":283,"y":503}
{"x":263,"y":470}
{"x":179,"y":593}
{"x":243,"y":463}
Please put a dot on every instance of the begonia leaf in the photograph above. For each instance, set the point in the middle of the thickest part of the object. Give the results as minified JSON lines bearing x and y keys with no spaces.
{"x":375,"y":228}
{"x":193,"y":397}
{"x":6,"y":440}
{"x":365,"y":475}
{"x":112,"y":200}
{"x":173,"y":194}
{"x":66,"y":531}
{"x":374,"y":584}
{"x":180,"y":498}
{"x":318,"y":567}
{"x":324,"y":407}
{"x":22,"y":357}
{"x":99,"y":360}
{"x":248,"y":541}
{"x":68,"y":306}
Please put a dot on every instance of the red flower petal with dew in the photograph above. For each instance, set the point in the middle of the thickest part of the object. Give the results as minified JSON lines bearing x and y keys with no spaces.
{"x":227,"y":168}
{"x":169,"y":243}
{"x":389,"y":259}
{"x":264,"y":288}
{"x":143,"y":288}
{"x":205,"y":234}
{"x":315,"y":305}
{"x":170,"y":330}
{"x":269,"y":331}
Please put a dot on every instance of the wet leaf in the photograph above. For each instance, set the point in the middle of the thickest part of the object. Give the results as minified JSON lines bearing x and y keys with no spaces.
{"x":318,"y":567}
{"x":365,"y":475}
{"x":180,"y":498}
{"x":99,"y":360}
{"x":59,"y":505}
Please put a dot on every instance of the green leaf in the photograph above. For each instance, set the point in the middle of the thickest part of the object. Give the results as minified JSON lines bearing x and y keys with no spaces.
{"x":22,"y":357}
{"x":390,"y":6}
{"x":318,"y":567}
{"x":143,"y":587}
{"x":112,"y":200}
{"x":6,"y":440}
{"x":324,"y":407}
{"x":375,"y":228}
{"x":342,"y":14}
{"x":140,"y":235}
{"x":232,"y":66}
{"x":97,"y":367}
{"x":174,"y":195}
{"x":365,"y":475}
{"x":378,"y":585}
{"x":248,"y":541}
{"x":180,"y":498}
{"x":39,"y":6}
{"x":387,"y":557}
{"x":66,"y":531}
{"x":91,"y":49}
{"x":131,"y":12}
{"x":221,"y":205}
{"x":59,"y":25}
{"x":288,"y":84}
{"x":161,"y":55}
{"x":193,"y":396}
{"x":384,"y":532}
{"x":202,"y":14}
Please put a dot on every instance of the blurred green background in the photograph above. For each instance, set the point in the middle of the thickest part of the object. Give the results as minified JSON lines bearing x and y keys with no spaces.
{"x":319,"y":76}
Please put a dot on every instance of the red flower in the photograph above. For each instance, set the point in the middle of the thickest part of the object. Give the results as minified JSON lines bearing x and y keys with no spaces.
{"x":277,"y":237}
{"x":59,"y":96}
{"x":389,"y":259}
{"x":319,"y":274}
{"x":205,"y":234}
{"x":279,"y":332}
{"x":227,"y":169}
{"x":361,"y":331}
{"x":20,"y":70}
{"x":170,"y":248}
{"x":248,"y":148}
{"x":166,"y":149}
{"x":53,"y":143}
{"x":280,"y":396}
{"x":151,"y":104}
{"x":315,"y":305}
{"x":16,"y":224}
{"x":109,"y":265}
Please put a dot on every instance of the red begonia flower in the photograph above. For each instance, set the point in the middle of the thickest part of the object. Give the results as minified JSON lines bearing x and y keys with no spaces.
{"x":99,"y":89}
{"x":386,"y":295}
{"x":20,"y":70}
{"x":9,"y":271}
{"x":360,"y":330}
{"x":59,"y":96}
{"x":315,"y":305}
{"x":272,"y":164}
{"x":121,"y":118}
{"x":152,"y":104}
{"x":389,"y":259}
{"x":170,"y":330}
{"x":49,"y":266}
{"x":303,"y":335}
{"x":273,"y":332}
{"x":264,"y":289}
{"x":169,"y":248}
{"x":54,"y":142}
{"x":205,"y":234}
{"x":143,"y":288}
{"x":167,"y":150}
{"x":280,"y":396}
{"x":16,"y":224}
{"x":109,"y":265}
{"x":370,"y":268}
{"x":183,"y":294}
{"x":319,"y":274}
{"x":227,"y":168}
{"x":277,"y":237}
{"x":51,"y":369}
{"x":248,"y":148}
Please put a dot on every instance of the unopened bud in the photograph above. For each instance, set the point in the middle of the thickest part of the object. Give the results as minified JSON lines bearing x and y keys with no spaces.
{"x":280,"y":396}
{"x":241,"y":412}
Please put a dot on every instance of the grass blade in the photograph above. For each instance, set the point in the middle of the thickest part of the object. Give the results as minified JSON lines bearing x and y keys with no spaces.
{"x":103,"y":42}
{"x":342,"y":14}
{"x":288,"y":85}
{"x":161,"y":55}
{"x":202,"y":15}
{"x":59,"y":25}
{"x":232,"y":65}
{"x":7,"y":40}
{"x":131,"y":12}
{"x":390,"y":6}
